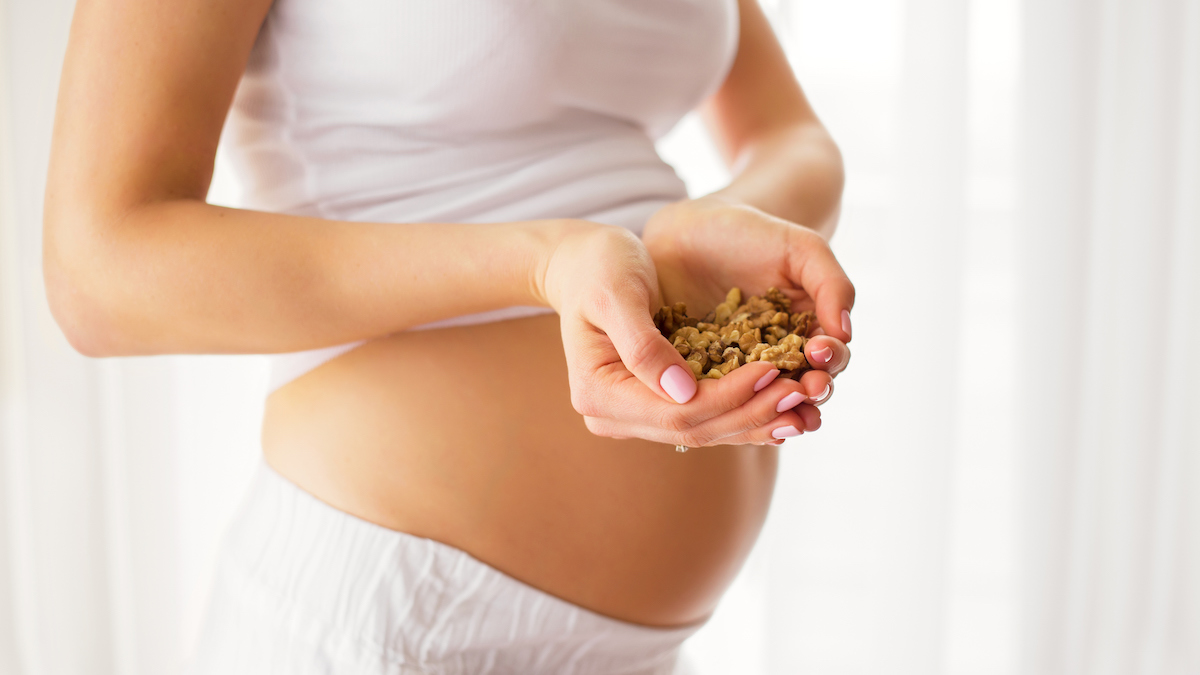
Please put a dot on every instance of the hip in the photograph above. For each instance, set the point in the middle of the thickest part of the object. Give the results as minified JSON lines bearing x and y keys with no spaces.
{"x":304,"y":588}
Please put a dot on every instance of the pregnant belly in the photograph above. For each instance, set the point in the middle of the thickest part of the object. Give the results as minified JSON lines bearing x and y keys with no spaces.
{"x":466,"y":435}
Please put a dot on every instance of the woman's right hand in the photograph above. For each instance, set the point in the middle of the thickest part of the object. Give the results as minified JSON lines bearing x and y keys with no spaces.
{"x":626,"y":379}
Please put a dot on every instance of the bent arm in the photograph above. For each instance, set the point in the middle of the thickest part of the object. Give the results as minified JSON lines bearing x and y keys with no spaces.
{"x":137,"y":263}
{"x":783,"y":159}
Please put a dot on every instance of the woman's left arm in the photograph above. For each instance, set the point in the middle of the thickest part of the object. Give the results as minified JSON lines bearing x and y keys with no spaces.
{"x":771,"y":225}
{"x":784,"y":161}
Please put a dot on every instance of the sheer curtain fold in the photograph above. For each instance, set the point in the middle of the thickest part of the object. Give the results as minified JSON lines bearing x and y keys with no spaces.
{"x":12,"y":428}
{"x":930,"y":165}
{"x":87,"y":526}
{"x":1107,"y":262}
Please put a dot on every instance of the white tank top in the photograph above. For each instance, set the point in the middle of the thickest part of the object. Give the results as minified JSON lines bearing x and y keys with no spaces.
{"x":470,"y":111}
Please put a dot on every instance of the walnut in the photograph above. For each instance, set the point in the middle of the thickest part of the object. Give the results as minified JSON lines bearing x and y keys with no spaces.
{"x":778,"y":299}
{"x":734,"y":354}
{"x":670,"y":319}
{"x":747,"y":341}
{"x":723,"y":311}
{"x":803,"y":323}
{"x":736,"y":332}
{"x":697,"y":361}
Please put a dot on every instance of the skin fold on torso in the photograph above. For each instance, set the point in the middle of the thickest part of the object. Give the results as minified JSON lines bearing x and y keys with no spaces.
{"x":467,"y":436}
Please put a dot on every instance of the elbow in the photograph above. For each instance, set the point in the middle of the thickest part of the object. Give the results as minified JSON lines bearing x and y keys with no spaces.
{"x":837,"y":175}
{"x":828,"y":177}
{"x":79,"y":316}
{"x":828,"y":156}
{"x":74,"y":292}
{"x":77,"y":321}
{"x":822,"y":178}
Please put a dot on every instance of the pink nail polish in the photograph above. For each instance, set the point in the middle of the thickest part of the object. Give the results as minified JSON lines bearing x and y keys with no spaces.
{"x":823,"y":354}
{"x":766,"y":379}
{"x":790,"y":401}
{"x":678,"y":384}
{"x":820,"y":398}
{"x":846,"y":321}
{"x":785,"y":432}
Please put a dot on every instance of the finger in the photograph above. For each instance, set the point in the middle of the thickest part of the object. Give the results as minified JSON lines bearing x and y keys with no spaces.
{"x":786,"y":425}
{"x":817,"y":386}
{"x":812,"y":264}
{"x":633,"y":411}
{"x":647,"y":354}
{"x":777,"y":398}
{"x":810,"y":415}
{"x":608,"y":427}
{"x":616,"y":394}
{"x":827,"y":353}
{"x":714,"y":397}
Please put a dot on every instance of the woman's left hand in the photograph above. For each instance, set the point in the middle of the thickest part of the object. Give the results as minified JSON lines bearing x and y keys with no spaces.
{"x":703,"y":247}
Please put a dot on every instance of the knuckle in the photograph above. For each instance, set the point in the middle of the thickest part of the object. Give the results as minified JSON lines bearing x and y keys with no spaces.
{"x":809,"y":238}
{"x":598,"y":427}
{"x":759,"y":415}
{"x":760,"y":418}
{"x":732,"y":215}
{"x":584,"y":401}
{"x":641,"y":350}
{"x":674,"y":422}
{"x":693,"y":439}
{"x":602,"y":302}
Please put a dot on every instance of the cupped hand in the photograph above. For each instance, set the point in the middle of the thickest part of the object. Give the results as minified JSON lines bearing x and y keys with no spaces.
{"x":703,"y":247}
{"x":627,"y":380}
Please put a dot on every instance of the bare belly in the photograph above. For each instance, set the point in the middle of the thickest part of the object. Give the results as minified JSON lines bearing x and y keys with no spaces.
{"x":474,"y":443}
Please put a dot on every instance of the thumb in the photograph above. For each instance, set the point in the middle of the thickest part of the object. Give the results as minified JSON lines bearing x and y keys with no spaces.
{"x":818,"y":272}
{"x":648,"y":355}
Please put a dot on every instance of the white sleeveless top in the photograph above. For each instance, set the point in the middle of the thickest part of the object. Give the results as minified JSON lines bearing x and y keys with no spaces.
{"x":470,"y":111}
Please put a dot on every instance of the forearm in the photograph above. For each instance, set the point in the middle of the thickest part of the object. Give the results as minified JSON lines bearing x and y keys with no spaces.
{"x":182,"y":276}
{"x":794,"y":173}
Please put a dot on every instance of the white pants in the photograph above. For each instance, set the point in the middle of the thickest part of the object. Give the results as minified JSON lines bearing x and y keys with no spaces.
{"x":303,"y":588}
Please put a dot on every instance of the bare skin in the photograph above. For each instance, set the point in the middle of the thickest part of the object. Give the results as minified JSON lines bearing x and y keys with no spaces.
{"x":551,"y":458}
{"x":628,"y":528}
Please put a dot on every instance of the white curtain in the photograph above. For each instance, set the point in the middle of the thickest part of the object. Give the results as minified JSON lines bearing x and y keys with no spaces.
{"x":1110,"y":296}
{"x":1008,"y":480}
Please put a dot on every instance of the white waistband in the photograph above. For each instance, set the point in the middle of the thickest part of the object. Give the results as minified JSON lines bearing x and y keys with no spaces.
{"x":303,"y":583}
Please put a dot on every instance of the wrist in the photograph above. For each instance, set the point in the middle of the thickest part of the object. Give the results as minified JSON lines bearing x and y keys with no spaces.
{"x":549,"y":238}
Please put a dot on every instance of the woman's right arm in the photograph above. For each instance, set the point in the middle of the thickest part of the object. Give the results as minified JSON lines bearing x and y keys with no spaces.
{"x":137,"y":263}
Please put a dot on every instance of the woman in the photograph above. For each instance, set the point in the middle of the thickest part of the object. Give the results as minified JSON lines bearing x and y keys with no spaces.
{"x":469,"y":444}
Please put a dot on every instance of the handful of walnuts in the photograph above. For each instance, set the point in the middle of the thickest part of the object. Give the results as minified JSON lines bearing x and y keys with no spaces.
{"x":735,"y":333}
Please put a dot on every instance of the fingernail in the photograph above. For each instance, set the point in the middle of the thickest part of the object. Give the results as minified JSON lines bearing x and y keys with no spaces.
{"x":823,"y":395}
{"x":785,"y":432}
{"x":766,"y":379}
{"x":678,"y":384}
{"x":846,"y":322}
{"x":823,"y":354}
{"x":790,"y":401}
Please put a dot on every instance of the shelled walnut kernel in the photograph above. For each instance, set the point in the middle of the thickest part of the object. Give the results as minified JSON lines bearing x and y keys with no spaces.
{"x":735,"y":333}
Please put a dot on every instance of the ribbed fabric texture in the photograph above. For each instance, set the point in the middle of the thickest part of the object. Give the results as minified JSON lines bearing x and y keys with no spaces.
{"x":303,"y":588}
{"x":435,"y":111}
